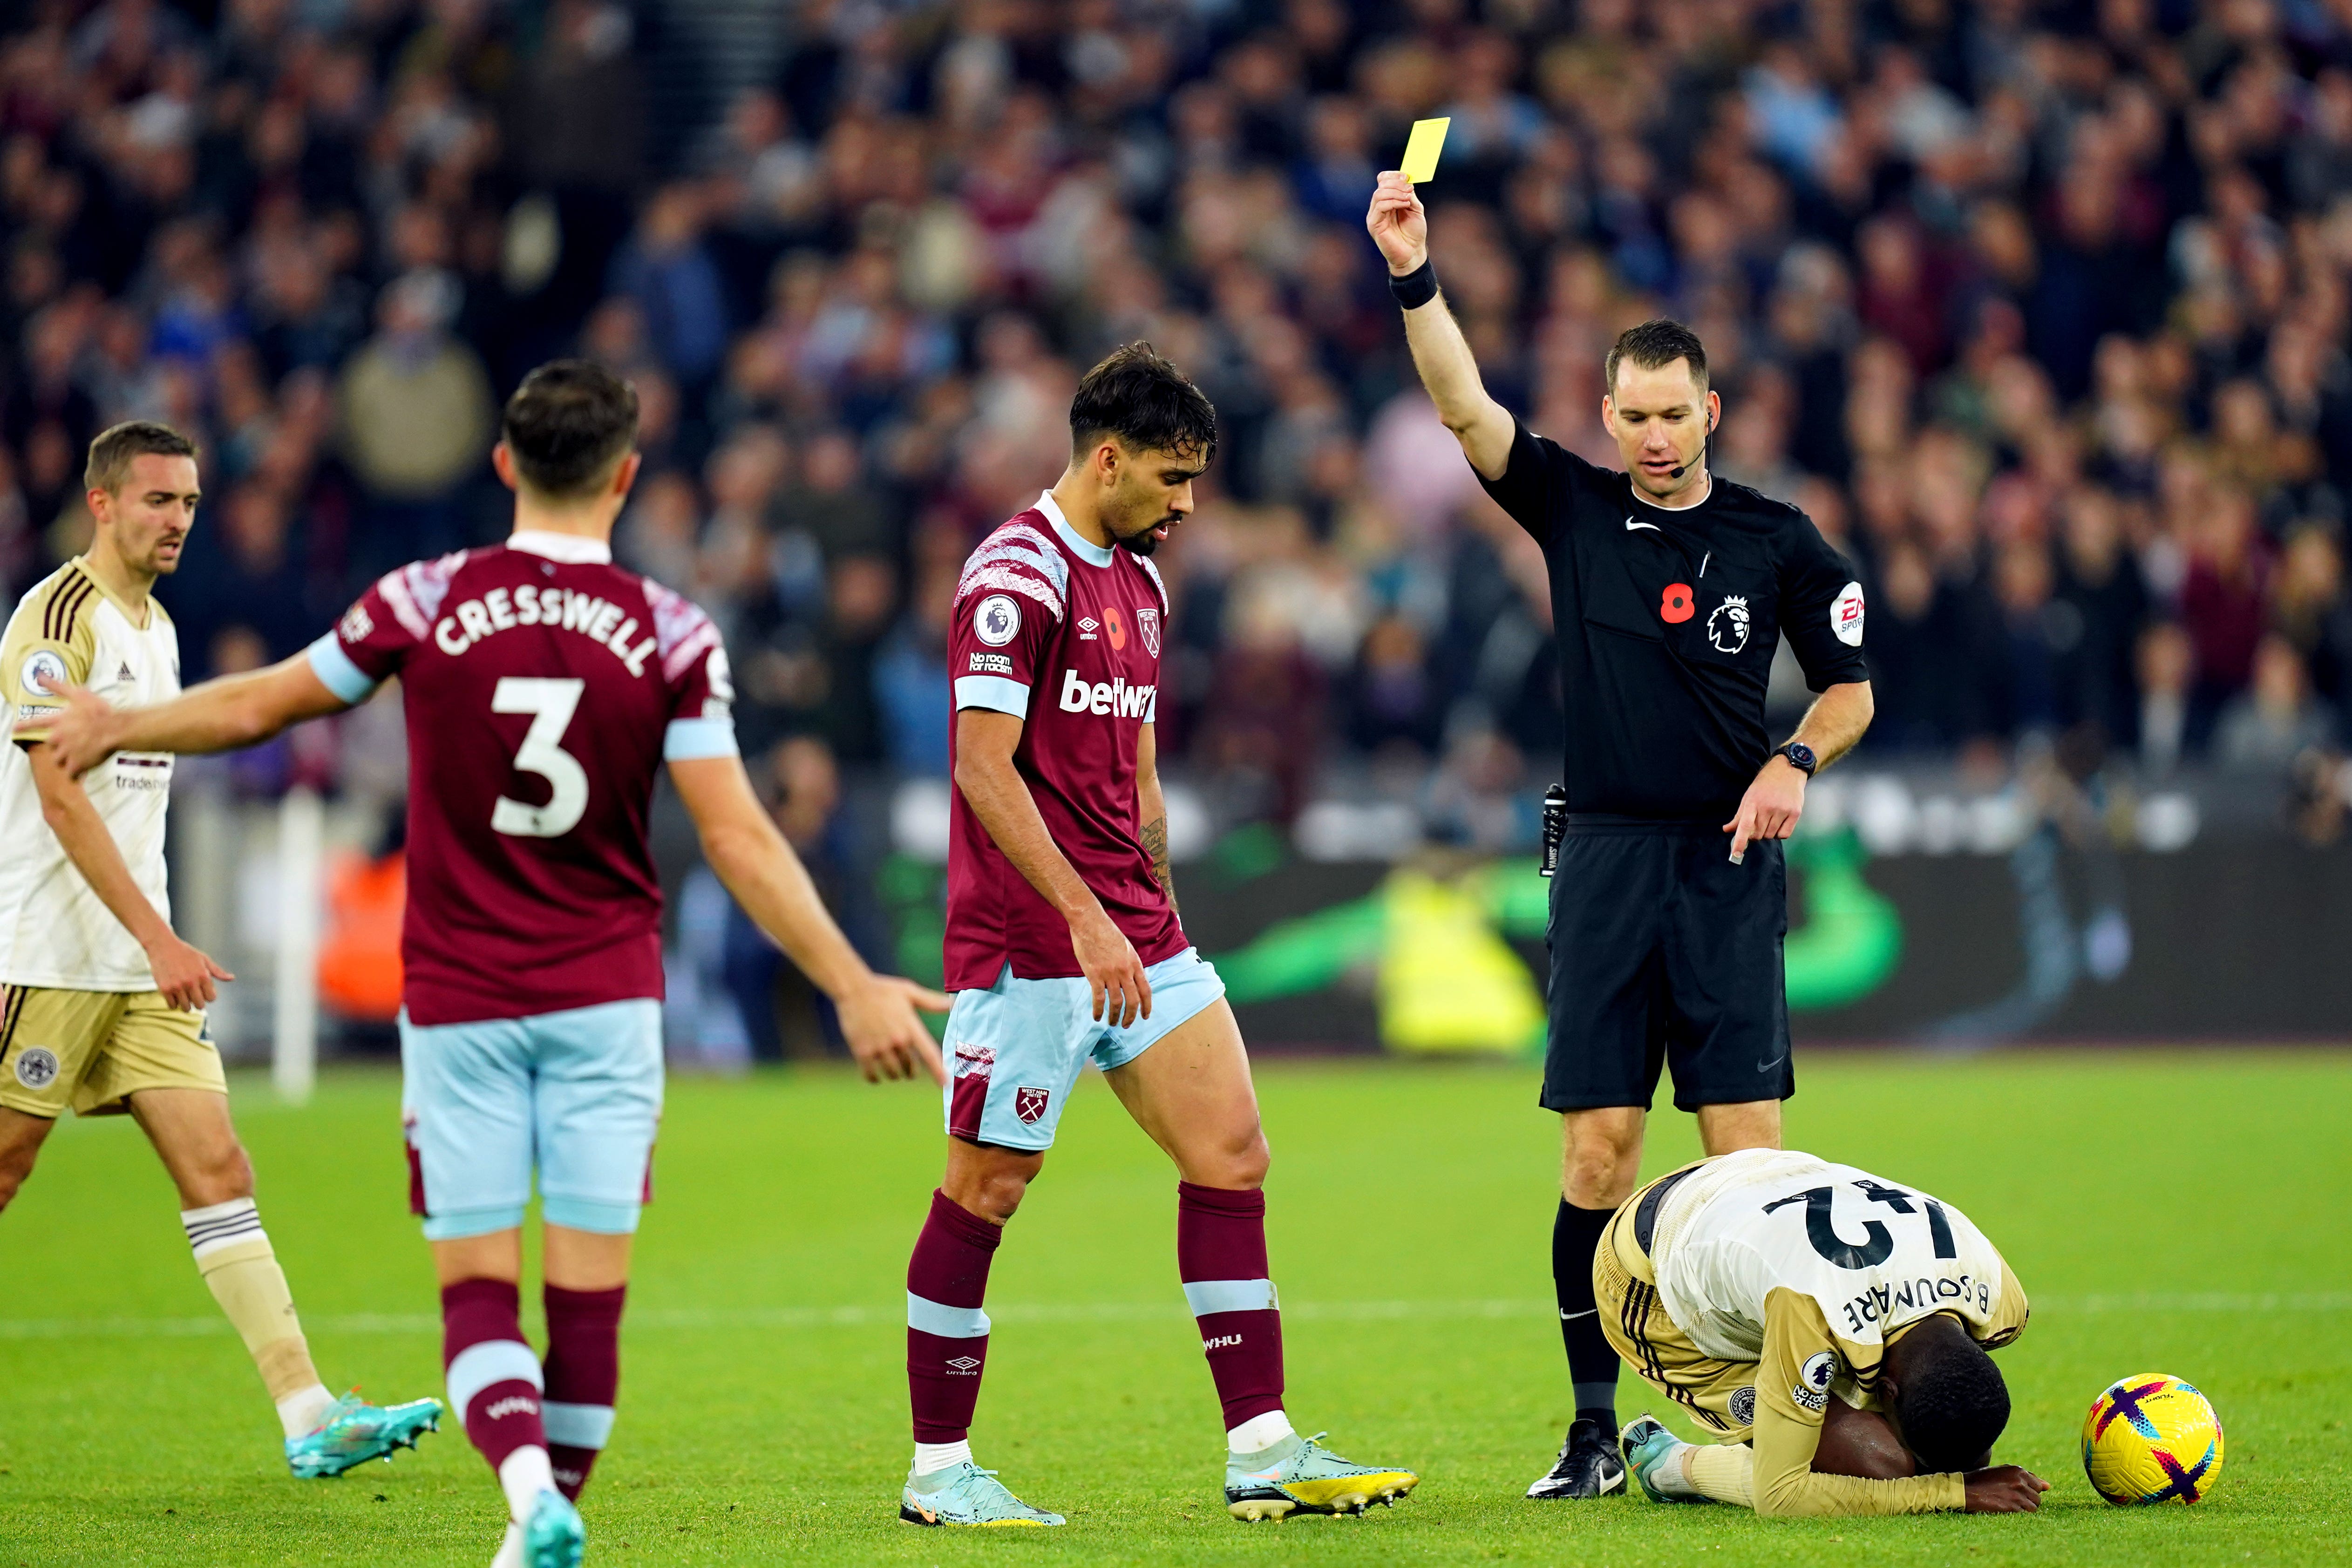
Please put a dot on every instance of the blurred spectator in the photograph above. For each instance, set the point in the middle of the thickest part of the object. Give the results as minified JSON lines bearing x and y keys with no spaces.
{"x":2266,"y":727}
{"x":784,"y":1015}
{"x":417,"y":418}
{"x":2168,"y":664}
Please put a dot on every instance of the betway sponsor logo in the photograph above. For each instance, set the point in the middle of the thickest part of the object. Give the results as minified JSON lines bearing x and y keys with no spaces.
{"x":598,"y":619}
{"x":1105,"y":696}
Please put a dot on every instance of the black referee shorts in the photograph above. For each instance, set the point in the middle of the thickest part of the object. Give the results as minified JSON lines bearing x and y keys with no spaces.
{"x":1665,"y":952}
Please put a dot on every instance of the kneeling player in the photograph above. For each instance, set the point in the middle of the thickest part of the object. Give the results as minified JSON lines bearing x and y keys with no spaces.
{"x":1062,"y":946}
{"x":1830,"y":1327}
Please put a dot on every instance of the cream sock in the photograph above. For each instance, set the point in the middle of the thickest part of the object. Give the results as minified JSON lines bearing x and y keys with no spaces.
{"x":234,"y":1255}
{"x":1724,"y":1472}
{"x":509,"y":1549}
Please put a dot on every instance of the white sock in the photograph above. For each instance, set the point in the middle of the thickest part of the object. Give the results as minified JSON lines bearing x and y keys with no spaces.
{"x":298,"y":1412}
{"x":1672,"y":1475}
{"x":523,"y":1476}
{"x":930,"y":1459}
{"x":511,"y":1549}
{"x":1259,"y":1432}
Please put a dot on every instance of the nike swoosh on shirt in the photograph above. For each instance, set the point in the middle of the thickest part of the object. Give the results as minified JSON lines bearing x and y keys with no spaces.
{"x":1631,"y":524}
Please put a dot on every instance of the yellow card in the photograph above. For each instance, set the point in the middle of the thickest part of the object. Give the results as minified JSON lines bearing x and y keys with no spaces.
{"x":1420,"y":151}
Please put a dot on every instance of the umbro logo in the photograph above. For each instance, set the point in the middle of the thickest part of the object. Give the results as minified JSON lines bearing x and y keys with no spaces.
{"x":1087,"y":628}
{"x":964,"y":1363}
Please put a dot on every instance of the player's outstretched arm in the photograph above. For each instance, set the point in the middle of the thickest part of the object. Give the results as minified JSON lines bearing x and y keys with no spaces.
{"x":182,"y":974}
{"x":757,"y":865}
{"x":990,"y":783}
{"x":1776,"y":798}
{"x":1400,"y":228}
{"x":219,"y":715}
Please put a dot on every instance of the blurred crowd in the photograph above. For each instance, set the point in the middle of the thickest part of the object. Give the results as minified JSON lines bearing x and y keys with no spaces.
{"x":2039,"y":309}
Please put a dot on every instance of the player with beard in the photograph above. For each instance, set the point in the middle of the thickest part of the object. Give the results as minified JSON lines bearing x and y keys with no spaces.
{"x":1064,"y":947}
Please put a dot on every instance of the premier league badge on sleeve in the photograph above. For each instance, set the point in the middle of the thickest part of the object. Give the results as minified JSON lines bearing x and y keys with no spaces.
{"x":1813,"y":1380}
{"x":43,"y":673}
{"x":997,"y":621}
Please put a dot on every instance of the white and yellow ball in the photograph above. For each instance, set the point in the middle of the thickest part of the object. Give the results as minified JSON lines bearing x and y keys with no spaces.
{"x":2150,"y":1437}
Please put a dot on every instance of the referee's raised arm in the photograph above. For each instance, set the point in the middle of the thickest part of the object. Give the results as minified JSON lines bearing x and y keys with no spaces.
{"x":1400,"y":228}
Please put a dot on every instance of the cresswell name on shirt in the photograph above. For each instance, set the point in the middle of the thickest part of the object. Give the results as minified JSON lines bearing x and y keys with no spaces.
{"x":500,"y":610}
{"x":1880,"y":1302}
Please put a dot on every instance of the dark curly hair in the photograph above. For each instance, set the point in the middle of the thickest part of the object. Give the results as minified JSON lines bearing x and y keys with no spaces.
{"x":1147,"y":403}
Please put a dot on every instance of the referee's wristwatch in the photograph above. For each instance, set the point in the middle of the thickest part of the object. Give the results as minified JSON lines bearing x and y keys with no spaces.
{"x":1800,"y":756}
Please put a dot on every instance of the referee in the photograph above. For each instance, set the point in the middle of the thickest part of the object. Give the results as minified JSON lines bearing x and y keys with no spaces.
{"x":1670,"y":589}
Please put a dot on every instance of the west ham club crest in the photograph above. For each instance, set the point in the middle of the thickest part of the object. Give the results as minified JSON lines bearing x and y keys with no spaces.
{"x":1030,"y":1103}
{"x":1147,"y":622}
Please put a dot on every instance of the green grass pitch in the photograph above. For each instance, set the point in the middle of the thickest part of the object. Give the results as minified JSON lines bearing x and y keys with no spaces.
{"x":2170,"y":1212}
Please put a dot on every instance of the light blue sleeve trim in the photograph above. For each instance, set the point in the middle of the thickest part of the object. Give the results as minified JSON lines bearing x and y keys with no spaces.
{"x":687,"y":740}
{"x":1207,"y":1296}
{"x":1152,"y":712}
{"x":948,"y":1322}
{"x":338,"y":674}
{"x":992,"y":692}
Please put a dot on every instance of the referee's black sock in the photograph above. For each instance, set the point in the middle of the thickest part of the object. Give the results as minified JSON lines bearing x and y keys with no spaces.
{"x":1591,"y":1363}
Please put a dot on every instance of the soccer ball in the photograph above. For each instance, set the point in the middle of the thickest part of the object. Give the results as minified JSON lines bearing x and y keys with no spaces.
{"x":2151,"y":1438}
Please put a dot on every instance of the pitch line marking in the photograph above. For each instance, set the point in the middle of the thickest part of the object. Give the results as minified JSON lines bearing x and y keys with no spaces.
{"x":701,"y":1320}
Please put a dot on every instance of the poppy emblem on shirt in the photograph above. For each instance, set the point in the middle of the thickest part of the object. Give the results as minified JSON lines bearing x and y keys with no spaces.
{"x":1678,"y":605}
{"x":1116,"y":625}
{"x":1147,"y":622}
{"x":1030,"y":1103}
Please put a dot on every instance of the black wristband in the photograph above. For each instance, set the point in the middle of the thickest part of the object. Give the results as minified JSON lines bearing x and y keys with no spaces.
{"x":1417,"y":287}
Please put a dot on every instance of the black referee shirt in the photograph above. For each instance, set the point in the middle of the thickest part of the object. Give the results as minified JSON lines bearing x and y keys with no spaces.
{"x":1666,"y":622}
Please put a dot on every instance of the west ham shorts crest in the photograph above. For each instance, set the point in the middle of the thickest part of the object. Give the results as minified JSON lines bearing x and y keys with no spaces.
{"x":1015,"y":1049}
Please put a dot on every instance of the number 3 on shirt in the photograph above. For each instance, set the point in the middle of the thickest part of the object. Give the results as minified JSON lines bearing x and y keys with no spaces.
{"x":551,"y":704}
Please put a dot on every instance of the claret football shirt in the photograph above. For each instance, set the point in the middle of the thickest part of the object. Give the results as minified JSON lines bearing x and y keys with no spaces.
{"x":543,"y":688}
{"x":1064,"y":635}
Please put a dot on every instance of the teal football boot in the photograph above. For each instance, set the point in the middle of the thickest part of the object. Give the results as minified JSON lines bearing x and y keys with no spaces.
{"x":967,"y":1495}
{"x":554,"y":1537}
{"x":1299,"y":1476}
{"x":354,"y":1431}
{"x":1646,"y":1445}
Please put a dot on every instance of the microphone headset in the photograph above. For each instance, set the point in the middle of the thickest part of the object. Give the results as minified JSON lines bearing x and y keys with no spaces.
{"x":1677,"y":472}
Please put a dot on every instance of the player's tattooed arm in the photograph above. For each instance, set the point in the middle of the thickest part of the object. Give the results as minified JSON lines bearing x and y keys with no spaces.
{"x":1155,"y":845}
{"x":1152,"y":809}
